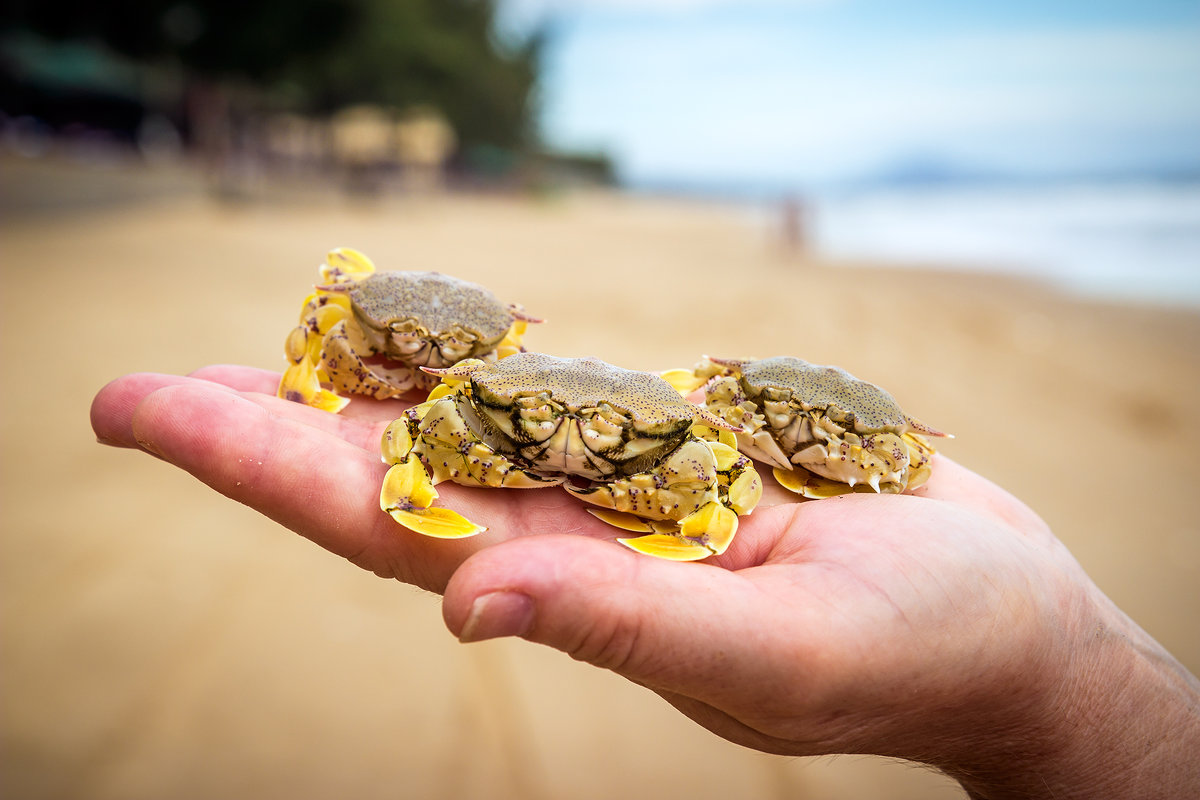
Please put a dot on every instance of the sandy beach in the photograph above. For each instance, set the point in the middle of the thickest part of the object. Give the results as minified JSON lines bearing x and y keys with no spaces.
{"x":162,"y":641}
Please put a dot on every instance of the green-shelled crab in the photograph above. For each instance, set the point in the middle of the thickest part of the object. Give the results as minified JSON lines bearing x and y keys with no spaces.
{"x":823,"y":431}
{"x":369,"y":333}
{"x":622,"y":440}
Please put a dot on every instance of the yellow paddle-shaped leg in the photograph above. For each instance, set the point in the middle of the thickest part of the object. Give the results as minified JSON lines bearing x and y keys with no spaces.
{"x":705,"y":533}
{"x":301,"y":385}
{"x":407,"y":495}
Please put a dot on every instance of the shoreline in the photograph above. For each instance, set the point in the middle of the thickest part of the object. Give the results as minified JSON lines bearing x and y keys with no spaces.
{"x":1126,"y":240}
{"x":50,"y":187}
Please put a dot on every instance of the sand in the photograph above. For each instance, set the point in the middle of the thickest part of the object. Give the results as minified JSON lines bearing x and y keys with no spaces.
{"x":161,"y":641}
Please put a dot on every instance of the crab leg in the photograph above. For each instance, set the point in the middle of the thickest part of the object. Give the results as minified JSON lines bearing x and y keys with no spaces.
{"x":710,"y":478}
{"x":407,"y":493}
{"x":322,"y":311}
{"x":344,"y":264}
{"x":445,"y":449}
{"x":349,"y":372}
{"x":685,"y":381}
{"x":301,"y":381}
{"x":709,"y":530}
{"x":301,"y":384}
{"x":407,"y":496}
{"x":704,"y":533}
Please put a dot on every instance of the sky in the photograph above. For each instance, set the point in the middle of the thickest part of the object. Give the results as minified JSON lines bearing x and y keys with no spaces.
{"x":777,"y":93}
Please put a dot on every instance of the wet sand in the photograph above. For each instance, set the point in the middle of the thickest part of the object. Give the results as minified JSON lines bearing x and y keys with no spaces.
{"x":161,"y":641}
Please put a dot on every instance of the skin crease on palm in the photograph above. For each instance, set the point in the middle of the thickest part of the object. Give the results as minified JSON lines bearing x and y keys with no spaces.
{"x":948,"y":626}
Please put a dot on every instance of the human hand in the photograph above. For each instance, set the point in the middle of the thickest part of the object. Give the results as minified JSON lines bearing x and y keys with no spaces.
{"x":948,"y":627}
{"x":317,"y":473}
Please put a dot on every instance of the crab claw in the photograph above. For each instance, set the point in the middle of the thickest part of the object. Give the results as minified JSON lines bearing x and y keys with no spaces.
{"x":458,"y":373}
{"x":520,"y":314}
{"x":705,"y":533}
{"x":745,"y":487}
{"x":407,"y":495}
{"x":396,"y":442}
{"x":921,"y":427}
{"x":711,"y":420}
{"x":919,"y":453}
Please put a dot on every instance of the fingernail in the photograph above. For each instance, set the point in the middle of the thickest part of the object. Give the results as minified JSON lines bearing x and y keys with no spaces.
{"x":498,"y":614}
{"x":150,"y":448}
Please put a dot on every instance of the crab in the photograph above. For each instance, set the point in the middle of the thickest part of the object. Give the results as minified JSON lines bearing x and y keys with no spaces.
{"x":824,"y":432}
{"x":368,"y":333}
{"x":624,"y":441}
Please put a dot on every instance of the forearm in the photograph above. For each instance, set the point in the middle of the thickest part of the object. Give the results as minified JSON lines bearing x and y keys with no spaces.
{"x":1125,"y":724}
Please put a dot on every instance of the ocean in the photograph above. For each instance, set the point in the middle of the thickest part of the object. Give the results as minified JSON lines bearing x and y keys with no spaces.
{"x":1132,"y":242}
{"x":1123,"y":241}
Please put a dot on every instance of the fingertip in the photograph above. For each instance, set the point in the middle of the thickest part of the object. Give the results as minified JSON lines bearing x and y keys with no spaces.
{"x":186,"y":422}
{"x":497,"y":614}
{"x":107,"y":411}
{"x":539,"y":567}
{"x":655,"y":621}
{"x":113,"y":407}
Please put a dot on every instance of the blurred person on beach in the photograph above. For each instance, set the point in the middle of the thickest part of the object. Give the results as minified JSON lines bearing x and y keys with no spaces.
{"x":948,"y":627}
{"x":793,"y":225}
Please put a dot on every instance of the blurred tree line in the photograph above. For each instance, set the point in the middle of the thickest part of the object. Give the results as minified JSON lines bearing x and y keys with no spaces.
{"x":316,"y":56}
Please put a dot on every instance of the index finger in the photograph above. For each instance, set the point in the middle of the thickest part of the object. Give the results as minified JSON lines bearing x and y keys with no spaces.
{"x":327,"y":489}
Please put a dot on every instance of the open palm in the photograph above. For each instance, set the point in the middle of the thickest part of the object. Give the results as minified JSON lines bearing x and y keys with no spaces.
{"x":314,"y":472}
{"x":906,"y":625}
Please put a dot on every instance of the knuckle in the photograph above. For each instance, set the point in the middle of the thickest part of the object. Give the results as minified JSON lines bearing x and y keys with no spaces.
{"x":610,"y":644}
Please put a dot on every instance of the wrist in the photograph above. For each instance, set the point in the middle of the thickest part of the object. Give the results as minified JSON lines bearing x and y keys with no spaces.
{"x":1122,"y":721}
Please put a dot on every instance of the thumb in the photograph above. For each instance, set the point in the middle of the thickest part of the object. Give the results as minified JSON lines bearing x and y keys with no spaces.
{"x":670,"y":626}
